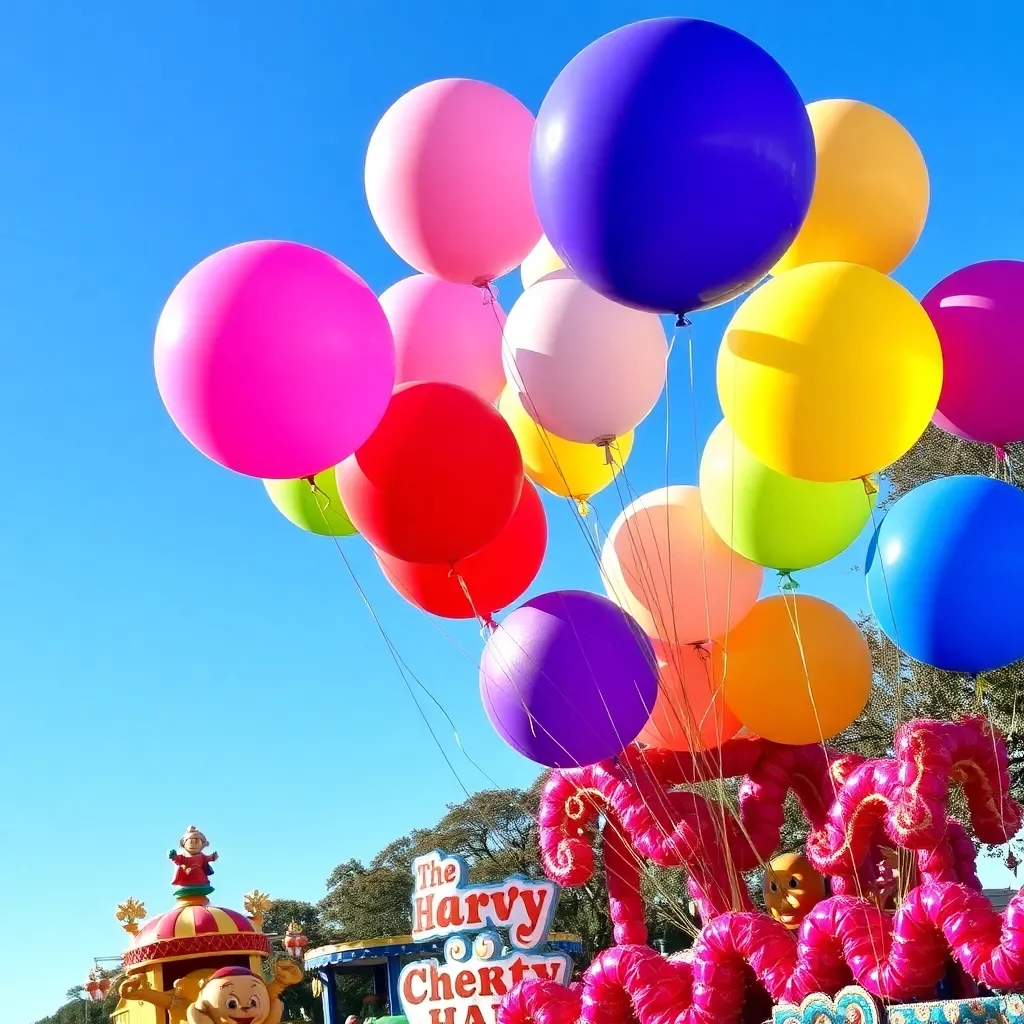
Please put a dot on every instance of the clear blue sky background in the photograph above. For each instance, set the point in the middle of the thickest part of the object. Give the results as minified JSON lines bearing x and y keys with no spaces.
{"x":171,"y":650}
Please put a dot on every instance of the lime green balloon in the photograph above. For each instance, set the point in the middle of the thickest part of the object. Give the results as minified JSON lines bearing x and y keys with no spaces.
{"x":317,"y":510}
{"x":777,"y":521}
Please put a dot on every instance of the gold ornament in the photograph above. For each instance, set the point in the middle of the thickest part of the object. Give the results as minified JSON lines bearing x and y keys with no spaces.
{"x":130,"y":913}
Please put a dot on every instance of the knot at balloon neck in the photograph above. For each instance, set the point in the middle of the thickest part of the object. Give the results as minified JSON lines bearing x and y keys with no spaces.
{"x":488,"y":292}
{"x":582,"y":506}
{"x":606,"y":441}
{"x":487,"y":626}
{"x":702,"y":648}
{"x":682,"y":321}
{"x":786,"y":581}
{"x":870,"y":485}
{"x":311,"y":480}
{"x":1000,"y":451}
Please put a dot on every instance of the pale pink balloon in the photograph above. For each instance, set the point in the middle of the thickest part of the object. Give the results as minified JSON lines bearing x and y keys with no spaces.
{"x":448,"y":180}
{"x":664,"y":564}
{"x":446,"y":332}
{"x":274,"y":359}
{"x":584,"y":367}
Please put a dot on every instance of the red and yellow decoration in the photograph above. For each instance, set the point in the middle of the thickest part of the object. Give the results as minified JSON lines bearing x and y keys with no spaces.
{"x":173,"y":958}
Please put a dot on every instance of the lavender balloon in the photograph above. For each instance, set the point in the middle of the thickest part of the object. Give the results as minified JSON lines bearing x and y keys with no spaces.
{"x":978,"y":314}
{"x":568,"y":679}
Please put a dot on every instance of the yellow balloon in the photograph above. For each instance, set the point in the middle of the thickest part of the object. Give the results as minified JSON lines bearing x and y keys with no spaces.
{"x":870,"y":190}
{"x":566,"y":468}
{"x":543,"y":260}
{"x":829,"y":372}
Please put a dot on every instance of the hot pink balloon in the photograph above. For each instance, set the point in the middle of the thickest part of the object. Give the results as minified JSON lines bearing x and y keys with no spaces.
{"x":978,"y":313}
{"x":664,"y":564}
{"x":448,"y":180}
{"x":274,"y":359}
{"x":446,"y":332}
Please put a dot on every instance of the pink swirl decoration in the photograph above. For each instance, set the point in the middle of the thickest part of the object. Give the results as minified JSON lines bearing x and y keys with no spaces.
{"x":852,"y":804}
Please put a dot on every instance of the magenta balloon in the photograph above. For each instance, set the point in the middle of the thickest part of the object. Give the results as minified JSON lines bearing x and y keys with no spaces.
{"x":448,"y":180}
{"x":978,"y":313}
{"x":446,"y":332}
{"x":949,"y":427}
{"x":274,"y":359}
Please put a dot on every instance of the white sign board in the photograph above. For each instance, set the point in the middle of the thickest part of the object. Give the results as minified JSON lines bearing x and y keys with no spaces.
{"x":479,"y":967}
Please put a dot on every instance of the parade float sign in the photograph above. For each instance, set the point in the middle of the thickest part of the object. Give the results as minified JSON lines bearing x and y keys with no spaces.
{"x":496,"y":936}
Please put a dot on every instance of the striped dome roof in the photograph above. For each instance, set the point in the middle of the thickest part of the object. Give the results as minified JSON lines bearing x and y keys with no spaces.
{"x":195,"y":929}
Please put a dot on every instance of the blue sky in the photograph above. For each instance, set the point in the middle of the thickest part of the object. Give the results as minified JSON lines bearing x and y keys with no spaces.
{"x":171,"y":650}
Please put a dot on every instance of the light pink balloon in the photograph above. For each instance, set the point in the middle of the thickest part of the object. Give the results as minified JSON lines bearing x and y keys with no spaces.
{"x":664,"y":564}
{"x":446,"y":332}
{"x":274,"y":359}
{"x":584,"y":367}
{"x":448,"y":180}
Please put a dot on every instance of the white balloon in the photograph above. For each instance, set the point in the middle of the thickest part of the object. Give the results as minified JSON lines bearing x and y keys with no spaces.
{"x":585,"y":368}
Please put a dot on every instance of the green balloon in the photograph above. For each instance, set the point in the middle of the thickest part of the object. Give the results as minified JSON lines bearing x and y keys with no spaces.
{"x":316,"y":507}
{"x":778,"y":521}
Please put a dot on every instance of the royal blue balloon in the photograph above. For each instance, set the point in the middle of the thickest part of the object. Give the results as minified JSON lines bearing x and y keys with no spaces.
{"x":672,"y":164}
{"x":946,"y":573}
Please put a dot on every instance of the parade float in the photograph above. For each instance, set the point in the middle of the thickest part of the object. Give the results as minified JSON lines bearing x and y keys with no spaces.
{"x":198,"y":963}
{"x":470,"y":945}
{"x":673,"y":168}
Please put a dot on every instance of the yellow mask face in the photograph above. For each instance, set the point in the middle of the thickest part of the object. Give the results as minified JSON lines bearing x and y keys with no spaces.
{"x":791,"y":888}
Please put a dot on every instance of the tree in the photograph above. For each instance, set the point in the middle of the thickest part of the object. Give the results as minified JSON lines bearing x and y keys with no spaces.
{"x":299,"y":1001}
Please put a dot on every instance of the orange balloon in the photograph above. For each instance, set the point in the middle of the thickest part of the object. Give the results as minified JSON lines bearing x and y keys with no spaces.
{"x":797,"y":670}
{"x":665,"y":565}
{"x":690,"y":713}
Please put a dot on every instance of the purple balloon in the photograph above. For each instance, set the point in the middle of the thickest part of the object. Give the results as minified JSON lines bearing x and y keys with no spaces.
{"x":672,"y":164}
{"x":568,"y":679}
{"x":978,"y":314}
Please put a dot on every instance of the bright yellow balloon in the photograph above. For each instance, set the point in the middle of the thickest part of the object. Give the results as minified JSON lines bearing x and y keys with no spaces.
{"x":870,"y":190}
{"x":829,"y":372}
{"x":566,"y":468}
{"x":543,"y":260}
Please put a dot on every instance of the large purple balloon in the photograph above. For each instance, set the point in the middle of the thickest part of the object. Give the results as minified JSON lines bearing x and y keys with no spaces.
{"x":672,"y":164}
{"x":978,"y":314}
{"x":568,"y":679}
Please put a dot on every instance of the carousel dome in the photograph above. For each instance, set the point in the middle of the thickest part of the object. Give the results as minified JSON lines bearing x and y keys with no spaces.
{"x":193,"y":928}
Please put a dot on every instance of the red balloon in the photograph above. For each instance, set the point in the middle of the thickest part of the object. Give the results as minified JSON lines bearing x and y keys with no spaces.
{"x":437,"y":480}
{"x":494,"y":577}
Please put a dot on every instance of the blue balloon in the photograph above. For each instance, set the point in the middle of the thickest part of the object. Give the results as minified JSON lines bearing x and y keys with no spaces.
{"x":946,"y":574}
{"x":672,"y":164}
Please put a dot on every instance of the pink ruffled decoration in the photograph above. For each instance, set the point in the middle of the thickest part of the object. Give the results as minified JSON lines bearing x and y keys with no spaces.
{"x":854,"y":806}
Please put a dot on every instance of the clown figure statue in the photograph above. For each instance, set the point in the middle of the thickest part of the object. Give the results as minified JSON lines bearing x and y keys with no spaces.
{"x":193,"y":867}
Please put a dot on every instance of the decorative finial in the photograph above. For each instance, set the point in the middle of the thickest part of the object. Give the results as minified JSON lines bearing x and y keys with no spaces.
{"x":130,"y":913}
{"x":294,"y":940}
{"x":193,"y":870}
{"x":96,"y":985}
{"x":256,"y":905}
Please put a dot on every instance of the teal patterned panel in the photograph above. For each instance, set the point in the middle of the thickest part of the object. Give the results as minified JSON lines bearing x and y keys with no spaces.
{"x":851,"y":1006}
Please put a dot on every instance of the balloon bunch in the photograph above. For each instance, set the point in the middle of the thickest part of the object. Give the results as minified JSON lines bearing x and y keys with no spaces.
{"x":945,"y":568}
{"x":851,"y":803}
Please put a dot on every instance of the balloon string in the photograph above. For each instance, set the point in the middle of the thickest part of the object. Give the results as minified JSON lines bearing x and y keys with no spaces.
{"x":487,"y":623}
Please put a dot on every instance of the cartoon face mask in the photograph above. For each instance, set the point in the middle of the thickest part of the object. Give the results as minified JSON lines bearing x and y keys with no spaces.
{"x":791,"y":888}
{"x":237,"y":995}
